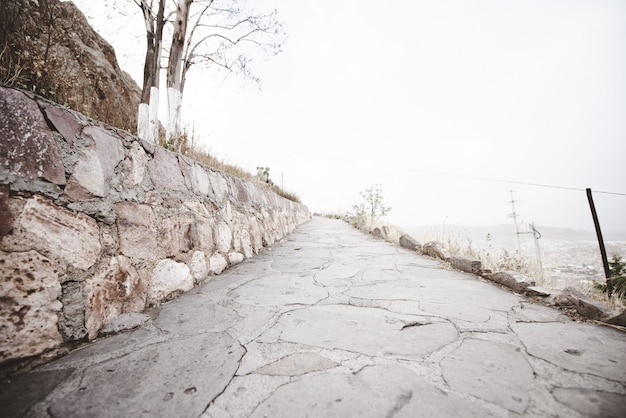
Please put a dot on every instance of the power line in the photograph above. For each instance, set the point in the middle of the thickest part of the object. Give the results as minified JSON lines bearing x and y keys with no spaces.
{"x":504,"y":181}
{"x":343,"y":159}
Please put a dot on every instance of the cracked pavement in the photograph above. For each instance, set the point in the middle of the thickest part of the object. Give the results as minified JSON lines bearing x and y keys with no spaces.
{"x":333,"y":322}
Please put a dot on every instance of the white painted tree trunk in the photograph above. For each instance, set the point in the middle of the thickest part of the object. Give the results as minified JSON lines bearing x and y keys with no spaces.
{"x":143,"y":121}
{"x":153,"y":121}
{"x":174,"y":70}
{"x":174,"y":100}
{"x":148,"y":118}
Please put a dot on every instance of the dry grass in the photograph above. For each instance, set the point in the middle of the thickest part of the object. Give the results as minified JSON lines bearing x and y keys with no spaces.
{"x":188,"y":145}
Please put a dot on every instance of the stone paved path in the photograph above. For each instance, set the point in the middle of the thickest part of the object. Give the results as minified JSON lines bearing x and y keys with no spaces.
{"x":334,"y":323}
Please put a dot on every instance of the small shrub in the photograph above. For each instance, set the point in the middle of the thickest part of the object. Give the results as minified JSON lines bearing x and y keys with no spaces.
{"x":369,"y":211}
{"x":616,"y":283}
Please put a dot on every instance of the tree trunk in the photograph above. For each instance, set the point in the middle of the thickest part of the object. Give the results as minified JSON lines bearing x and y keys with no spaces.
{"x":147,"y":116}
{"x":174,"y":70}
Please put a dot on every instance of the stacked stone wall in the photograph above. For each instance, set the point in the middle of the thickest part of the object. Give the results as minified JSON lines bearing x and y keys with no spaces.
{"x":95,"y":223}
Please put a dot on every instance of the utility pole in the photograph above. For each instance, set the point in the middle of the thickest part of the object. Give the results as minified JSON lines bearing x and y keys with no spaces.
{"x":514,"y":216}
{"x":536,"y":236}
{"x":596,"y":223}
{"x":533,"y":230}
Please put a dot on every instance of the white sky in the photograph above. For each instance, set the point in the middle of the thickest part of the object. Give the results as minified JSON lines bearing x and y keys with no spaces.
{"x":416,"y":94}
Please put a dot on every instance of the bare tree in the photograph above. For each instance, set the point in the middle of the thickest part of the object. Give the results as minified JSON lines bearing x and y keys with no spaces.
{"x":215,"y":33}
{"x":174,"y":69}
{"x":147,"y":117}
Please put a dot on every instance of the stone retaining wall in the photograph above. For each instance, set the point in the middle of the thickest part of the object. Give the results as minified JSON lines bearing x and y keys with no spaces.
{"x":95,"y":222}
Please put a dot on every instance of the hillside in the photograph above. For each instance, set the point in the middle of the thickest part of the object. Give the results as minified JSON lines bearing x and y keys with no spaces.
{"x":48,"y":47}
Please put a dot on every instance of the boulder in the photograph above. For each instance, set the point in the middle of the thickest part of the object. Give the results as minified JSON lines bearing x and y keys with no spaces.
{"x":465,"y":264}
{"x":69,"y":63}
{"x":410,"y":243}
{"x":584,"y":306}
{"x":513,"y":280}
{"x":537,"y":291}
{"x":618,"y":319}
{"x":435,"y":249}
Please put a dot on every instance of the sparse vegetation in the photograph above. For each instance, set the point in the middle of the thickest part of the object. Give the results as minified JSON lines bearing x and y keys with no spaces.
{"x":187,"y":145}
{"x":329,"y":215}
{"x":366,"y":213}
{"x":615,"y":286}
{"x":491,"y":258}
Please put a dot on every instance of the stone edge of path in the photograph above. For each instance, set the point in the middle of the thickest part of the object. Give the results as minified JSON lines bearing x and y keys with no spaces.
{"x":570,"y":300}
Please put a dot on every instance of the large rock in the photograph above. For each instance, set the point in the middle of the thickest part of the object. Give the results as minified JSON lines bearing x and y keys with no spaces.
{"x":28,"y":313}
{"x":618,"y":319}
{"x":137,"y":230}
{"x":198,"y":266}
{"x":199,"y":179}
{"x":516,"y":281}
{"x":63,"y":59}
{"x":178,"y":234}
{"x":169,"y":278}
{"x":217,"y":264}
{"x":60,"y":233}
{"x":93,"y":171}
{"x":27,"y":147}
{"x":410,"y":243}
{"x":134,"y":166}
{"x":435,"y":249}
{"x":465,"y":264}
{"x":165,"y":173}
{"x":218,"y":184}
{"x":223,"y":237}
{"x":256,"y":234}
{"x":584,"y":306}
{"x":110,"y":291}
{"x":64,"y":121}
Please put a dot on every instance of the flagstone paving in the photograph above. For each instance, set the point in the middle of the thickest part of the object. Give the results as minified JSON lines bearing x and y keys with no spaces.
{"x":335,"y":323}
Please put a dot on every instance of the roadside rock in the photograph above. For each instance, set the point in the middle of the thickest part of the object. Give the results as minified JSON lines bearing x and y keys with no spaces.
{"x":583,"y":305}
{"x":410,"y":243}
{"x":465,"y":264}
{"x":618,"y":319}
{"x":513,"y":280}
{"x":435,"y":249}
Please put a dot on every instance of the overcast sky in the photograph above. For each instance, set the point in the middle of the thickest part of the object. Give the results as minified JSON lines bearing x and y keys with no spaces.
{"x":429,"y":99}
